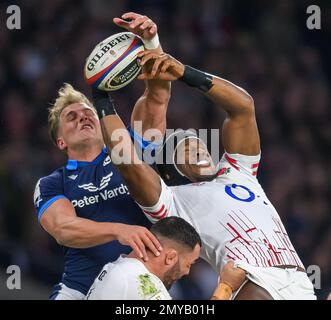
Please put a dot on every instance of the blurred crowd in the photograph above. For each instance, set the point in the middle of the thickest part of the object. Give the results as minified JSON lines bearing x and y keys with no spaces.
{"x":265,"y":47}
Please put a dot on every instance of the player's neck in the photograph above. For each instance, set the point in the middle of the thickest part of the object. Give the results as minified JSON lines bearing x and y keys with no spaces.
{"x":152,"y":265}
{"x":85,"y":152}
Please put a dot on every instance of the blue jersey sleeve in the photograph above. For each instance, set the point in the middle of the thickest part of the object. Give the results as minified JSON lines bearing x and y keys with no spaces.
{"x":47,"y":191}
{"x":142,"y":143}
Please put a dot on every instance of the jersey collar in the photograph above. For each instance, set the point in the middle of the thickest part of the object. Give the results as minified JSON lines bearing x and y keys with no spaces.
{"x":74,"y":164}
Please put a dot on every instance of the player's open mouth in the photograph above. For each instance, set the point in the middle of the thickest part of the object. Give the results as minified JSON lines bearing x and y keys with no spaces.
{"x":203,"y":163}
{"x":87,"y":126}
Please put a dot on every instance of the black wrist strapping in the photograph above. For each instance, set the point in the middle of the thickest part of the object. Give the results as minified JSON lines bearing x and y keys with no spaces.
{"x":196,"y":78}
{"x":103,"y":103}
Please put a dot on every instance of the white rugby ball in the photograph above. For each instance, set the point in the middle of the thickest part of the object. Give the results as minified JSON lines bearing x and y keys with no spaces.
{"x":113,"y":62}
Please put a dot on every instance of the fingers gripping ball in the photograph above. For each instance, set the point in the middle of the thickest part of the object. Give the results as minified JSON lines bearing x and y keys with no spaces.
{"x":113,"y":62}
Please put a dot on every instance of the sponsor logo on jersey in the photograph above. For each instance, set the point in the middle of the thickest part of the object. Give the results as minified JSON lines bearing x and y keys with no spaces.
{"x":101,"y":196}
{"x":103,"y":184}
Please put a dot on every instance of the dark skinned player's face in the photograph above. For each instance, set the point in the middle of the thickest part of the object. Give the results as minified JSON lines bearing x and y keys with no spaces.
{"x":194,"y":161}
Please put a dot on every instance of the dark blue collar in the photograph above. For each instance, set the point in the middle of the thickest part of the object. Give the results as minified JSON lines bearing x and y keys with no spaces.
{"x":74,"y":164}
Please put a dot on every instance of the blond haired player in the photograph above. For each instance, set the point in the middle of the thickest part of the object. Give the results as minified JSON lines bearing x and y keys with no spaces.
{"x":226,"y":204}
{"x":85,"y":205}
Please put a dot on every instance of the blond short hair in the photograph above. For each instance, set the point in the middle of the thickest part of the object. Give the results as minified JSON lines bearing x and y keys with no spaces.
{"x":66,"y":95}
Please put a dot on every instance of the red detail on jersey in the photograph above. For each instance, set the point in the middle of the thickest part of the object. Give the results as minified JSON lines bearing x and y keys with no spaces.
{"x":155,"y":213}
{"x":242,"y":255}
{"x":239,"y":236}
{"x":232,"y":161}
{"x":254,"y":173}
{"x":219,"y":173}
{"x":165,"y":213}
{"x":255,"y":165}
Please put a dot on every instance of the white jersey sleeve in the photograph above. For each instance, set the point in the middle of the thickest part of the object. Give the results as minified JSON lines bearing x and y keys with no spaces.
{"x":246,"y":165}
{"x":165,"y":206}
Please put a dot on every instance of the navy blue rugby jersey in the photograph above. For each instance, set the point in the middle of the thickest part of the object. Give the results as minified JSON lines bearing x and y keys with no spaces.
{"x":98,"y":192}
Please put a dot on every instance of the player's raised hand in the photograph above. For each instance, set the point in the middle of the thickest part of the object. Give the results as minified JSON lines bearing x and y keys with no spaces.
{"x":138,"y":238}
{"x":162,"y":66}
{"x":137,"y":24}
{"x":232,"y":276}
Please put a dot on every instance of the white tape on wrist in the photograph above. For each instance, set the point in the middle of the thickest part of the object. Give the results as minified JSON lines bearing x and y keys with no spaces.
{"x":152,"y":43}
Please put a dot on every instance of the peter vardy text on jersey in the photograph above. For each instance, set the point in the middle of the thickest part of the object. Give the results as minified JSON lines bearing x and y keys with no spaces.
{"x":104,"y":195}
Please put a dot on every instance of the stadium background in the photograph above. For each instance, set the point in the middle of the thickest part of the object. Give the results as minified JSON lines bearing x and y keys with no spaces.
{"x":263,"y":46}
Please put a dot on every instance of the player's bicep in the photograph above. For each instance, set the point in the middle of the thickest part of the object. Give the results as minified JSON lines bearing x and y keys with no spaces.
{"x":240,"y":134}
{"x":58,"y":213}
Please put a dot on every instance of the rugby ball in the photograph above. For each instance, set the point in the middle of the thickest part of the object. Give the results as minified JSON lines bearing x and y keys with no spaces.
{"x":113,"y":62}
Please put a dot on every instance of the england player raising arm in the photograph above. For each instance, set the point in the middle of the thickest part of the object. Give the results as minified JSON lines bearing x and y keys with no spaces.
{"x":228,"y":207}
{"x":239,"y":132}
{"x":85,"y":205}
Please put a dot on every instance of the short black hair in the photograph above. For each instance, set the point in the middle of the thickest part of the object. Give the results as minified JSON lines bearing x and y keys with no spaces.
{"x":178,"y":230}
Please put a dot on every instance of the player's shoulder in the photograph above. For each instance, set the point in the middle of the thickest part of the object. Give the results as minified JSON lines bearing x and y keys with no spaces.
{"x":129,"y":266}
{"x":147,"y":285}
{"x":53,"y":178}
{"x":235,"y":163}
{"x":133,"y":269}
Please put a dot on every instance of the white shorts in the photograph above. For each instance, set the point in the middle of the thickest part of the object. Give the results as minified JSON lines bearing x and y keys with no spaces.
{"x":281,"y":284}
{"x":65,"y":293}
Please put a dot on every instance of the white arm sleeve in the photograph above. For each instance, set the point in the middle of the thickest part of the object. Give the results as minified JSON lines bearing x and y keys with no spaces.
{"x":163,"y":208}
{"x":247,"y":165}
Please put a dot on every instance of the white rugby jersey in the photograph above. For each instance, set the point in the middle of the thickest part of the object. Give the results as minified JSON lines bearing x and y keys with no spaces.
{"x":127,"y":279}
{"x":232,"y":214}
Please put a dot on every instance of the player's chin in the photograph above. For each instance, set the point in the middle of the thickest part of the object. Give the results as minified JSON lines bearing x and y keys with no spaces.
{"x":203,"y":174}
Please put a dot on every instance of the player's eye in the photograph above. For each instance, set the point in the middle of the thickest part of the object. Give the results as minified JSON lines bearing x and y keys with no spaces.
{"x":89,"y":112}
{"x":70,"y":117}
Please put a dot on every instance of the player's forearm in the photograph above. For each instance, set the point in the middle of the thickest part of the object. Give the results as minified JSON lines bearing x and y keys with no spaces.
{"x":84,"y":233}
{"x":222,"y":292}
{"x":233,"y":99}
{"x":151,"y":107}
{"x":142,"y":180}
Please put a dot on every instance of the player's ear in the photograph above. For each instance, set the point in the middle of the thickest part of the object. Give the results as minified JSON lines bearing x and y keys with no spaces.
{"x":171,"y":257}
{"x":61,"y":143}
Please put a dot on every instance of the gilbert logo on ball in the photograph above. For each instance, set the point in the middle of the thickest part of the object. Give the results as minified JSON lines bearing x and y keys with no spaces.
{"x":113,"y":62}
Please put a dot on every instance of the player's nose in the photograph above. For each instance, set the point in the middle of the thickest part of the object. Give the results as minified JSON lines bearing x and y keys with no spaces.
{"x":83,"y":117}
